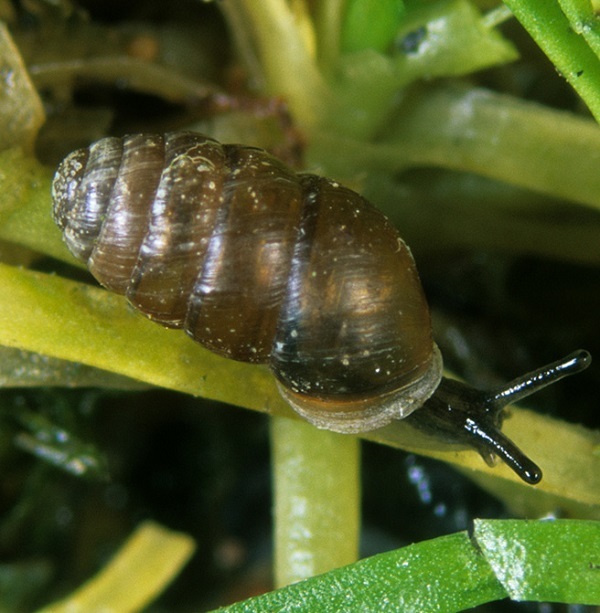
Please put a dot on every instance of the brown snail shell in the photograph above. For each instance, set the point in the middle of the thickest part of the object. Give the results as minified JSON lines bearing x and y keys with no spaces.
{"x":258,"y":264}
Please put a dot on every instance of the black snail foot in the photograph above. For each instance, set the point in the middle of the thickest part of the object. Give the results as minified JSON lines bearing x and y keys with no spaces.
{"x":461,"y":414}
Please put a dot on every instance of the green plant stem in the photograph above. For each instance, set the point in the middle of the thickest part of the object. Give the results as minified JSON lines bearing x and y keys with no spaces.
{"x":53,"y":316}
{"x":317,"y":499}
{"x":497,"y":136}
{"x":446,"y":211}
{"x":570,"y":53}
{"x":496,"y":16}
{"x":288,"y":66}
{"x":478,"y":131}
{"x":21,"y":110}
{"x":59,"y":318}
{"x":583,"y":21}
{"x":328,"y":24}
{"x":141,"y":569}
{"x":25,"y":208}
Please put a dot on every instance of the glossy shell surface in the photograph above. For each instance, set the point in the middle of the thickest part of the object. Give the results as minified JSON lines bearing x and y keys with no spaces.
{"x":258,"y":264}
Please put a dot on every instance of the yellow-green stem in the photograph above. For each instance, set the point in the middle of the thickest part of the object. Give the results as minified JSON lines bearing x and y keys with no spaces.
{"x":286,"y":57}
{"x":327,"y":24}
{"x":316,"y":482}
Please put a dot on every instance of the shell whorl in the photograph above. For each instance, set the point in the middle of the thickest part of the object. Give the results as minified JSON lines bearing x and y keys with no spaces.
{"x":256,"y":262}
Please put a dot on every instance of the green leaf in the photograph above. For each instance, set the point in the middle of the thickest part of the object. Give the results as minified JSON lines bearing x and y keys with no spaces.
{"x":444,"y":574}
{"x":452,"y":39}
{"x":455,"y":42}
{"x":561,"y":41}
{"x":468,"y":129}
{"x":21,"y":110}
{"x":56,"y":445}
{"x":553,"y":561}
{"x":143,"y":567}
{"x":556,"y":561}
{"x":25,"y":206}
{"x":27,"y":369}
{"x":371,"y":24}
{"x":56,"y":317}
{"x":355,"y":92}
{"x":584,"y":21}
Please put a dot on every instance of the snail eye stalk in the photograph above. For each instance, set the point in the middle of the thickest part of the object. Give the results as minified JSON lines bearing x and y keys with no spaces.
{"x":461,"y":414}
{"x":534,"y":381}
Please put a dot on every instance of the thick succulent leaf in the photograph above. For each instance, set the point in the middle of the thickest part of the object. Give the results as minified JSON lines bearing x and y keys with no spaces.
{"x":72,"y":321}
{"x":569,"y":39}
{"x":541,"y":561}
{"x":63,"y":319}
{"x":553,"y":561}
{"x":20,"y":368}
{"x":149,"y":560}
{"x":25,"y":208}
{"x":21,"y":110}
{"x":316,"y":499}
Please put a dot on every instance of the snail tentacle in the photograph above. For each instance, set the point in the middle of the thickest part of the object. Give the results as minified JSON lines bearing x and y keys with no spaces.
{"x":460,"y":414}
{"x":534,"y":381}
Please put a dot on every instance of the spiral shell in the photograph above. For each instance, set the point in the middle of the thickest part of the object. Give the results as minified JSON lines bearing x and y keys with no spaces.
{"x":258,"y":264}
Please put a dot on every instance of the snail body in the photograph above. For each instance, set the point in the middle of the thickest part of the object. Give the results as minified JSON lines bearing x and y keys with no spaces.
{"x":264,"y":265}
{"x":258,"y":264}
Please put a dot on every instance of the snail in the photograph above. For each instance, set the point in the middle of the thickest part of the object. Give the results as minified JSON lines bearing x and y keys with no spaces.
{"x":261,"y":264}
